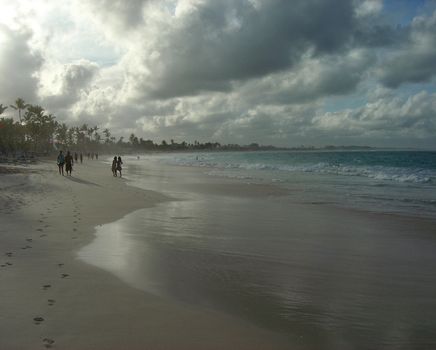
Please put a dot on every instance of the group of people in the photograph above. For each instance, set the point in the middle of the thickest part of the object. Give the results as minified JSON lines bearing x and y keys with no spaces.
{"x":92,"y":155}
{"x":66,"y":161}
{"x":117,"y":166}
{"x":76,"y":157}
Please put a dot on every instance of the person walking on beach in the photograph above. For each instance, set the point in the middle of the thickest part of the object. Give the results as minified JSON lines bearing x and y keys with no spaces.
{"x":69,"y":163}
{"x":75,"y":156}
{"x":81,"y":158}
{"x":114,"y":167}
{"x":119,"y":163}
{"x":61,"y":162}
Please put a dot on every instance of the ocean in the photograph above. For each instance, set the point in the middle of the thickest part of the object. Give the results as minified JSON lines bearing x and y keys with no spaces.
{"x":402,"y":182}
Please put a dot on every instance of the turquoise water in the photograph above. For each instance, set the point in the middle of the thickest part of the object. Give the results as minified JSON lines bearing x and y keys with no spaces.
{"x":412,"y":167}
{"x":387,"y":181}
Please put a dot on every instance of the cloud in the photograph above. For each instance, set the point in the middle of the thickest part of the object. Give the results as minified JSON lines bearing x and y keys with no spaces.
{"x":119,"y":15}
{"x":71,"y":81}
{"x":415,"y":61}
{"x":386,"y":118}
{"x":368,"y":8}
{"x":19,"y":65}
{"x":210,"y":44}
{"x":311,"y":79}
{"x":282,"y":125}
{"x":229,"y":71}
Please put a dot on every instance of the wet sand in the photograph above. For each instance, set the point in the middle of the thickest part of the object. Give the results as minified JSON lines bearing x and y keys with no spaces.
{"x":50,"y":299}
{"x":326,"y":277}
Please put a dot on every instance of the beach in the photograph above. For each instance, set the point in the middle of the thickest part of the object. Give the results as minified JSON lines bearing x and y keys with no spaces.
{"x":49,"y":298}
{"x":171,"y":258}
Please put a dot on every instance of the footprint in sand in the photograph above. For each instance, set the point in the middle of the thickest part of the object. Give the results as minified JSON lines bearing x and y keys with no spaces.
{"x":64,"y":275}
{"x":51,"y":302}
{"x":48,"y":343}
{"x":46,"y":286}
{"x":26,"y":247}
{"x":43,"y":235}
{"x":38,"y":319}
{"x":29,"y":239}
{"x":39,"y":229}
{"x":61,"y":264}
{"x":9,"y":254}
{"x":74,"y":229}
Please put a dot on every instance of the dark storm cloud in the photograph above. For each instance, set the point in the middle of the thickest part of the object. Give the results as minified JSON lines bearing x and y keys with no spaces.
{"x":374,"y":35}
{"x":253,"y":71}
{"x":224,"y":41}
{"x":415,"y":61}
{"x":18,"y":66}
{"x":413,"y":67}
{"x":329,"y":75}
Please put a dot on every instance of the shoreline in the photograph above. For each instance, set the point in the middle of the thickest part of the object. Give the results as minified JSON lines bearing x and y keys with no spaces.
{"x":343,"y":181}
{"x":51,"y":299}
{"x":318,"y":252}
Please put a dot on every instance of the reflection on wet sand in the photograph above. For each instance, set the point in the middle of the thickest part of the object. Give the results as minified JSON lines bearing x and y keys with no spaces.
{"x":328,"y":280}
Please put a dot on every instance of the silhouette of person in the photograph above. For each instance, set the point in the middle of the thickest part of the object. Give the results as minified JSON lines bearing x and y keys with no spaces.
{"x":61,"y":161}
{"x":75,"y":157}
{"x":69,"y":163}
{"x":114,"y":167}
{"x":81,"y":158}
{"x":96,"y":156}
{"x":119,"y":163}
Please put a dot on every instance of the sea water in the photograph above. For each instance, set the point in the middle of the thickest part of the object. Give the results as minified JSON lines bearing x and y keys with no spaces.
{"x":386,"y":181}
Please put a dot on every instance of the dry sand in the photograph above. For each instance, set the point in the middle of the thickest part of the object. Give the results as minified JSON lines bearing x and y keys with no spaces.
{"x":50,"y":299}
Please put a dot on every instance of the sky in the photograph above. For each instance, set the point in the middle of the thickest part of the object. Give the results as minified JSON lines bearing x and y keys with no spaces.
{"x":275,"y":72}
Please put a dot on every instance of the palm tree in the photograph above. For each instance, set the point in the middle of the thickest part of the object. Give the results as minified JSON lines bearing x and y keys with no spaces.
{"x":61,"y":134}
{"x":2,"y":108}
{"x":39,"y":127}
{"x":107,"y":135}
{"x":19,"y":106}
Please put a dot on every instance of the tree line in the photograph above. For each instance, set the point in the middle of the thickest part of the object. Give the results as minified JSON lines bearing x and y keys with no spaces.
{"x":38,"y":132}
